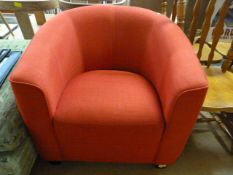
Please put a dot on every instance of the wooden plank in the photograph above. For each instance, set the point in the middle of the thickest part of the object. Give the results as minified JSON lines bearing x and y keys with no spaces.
{"x":25,"y":24}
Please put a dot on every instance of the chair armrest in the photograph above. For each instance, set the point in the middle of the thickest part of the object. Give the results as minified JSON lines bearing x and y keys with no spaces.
{"x":174,"y":70}
{"x":51,"y":61}
{"x":34,"y":110}
{"x":40,"y":77}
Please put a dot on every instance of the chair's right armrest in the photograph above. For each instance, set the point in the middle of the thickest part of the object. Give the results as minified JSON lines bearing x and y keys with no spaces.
{"x":40,"y":77}
{"x":34,"y":110}
{"x":51,"y":59}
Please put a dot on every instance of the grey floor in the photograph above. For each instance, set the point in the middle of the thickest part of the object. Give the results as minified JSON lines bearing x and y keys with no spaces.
{"x":203,"y":155}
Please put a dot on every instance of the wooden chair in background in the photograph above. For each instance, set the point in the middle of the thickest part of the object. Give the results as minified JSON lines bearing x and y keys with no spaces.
{"x":69,"y":4}
{"x":200,"y":43}
{"x":178,"y":16}
{"x":6,"y":23}
{"x":22,"y":8}
{"x":219,"y":99}
{"x":178,"y":12}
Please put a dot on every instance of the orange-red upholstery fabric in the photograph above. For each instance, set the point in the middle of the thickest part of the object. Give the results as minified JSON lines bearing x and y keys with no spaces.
{"x":115,"y":111}
{"x":109,"y":38}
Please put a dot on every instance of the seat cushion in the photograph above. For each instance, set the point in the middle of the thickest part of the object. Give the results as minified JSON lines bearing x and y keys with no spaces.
{"x":108,"y":115}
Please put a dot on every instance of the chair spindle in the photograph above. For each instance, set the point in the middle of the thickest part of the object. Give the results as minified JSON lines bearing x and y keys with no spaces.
{"x":164,"y":7}
{"x":218,"y":31}
{"x":228,"y":62}
{"x":206,"y":27}
{"x":181,"y":13}
{"x":194,"y":22}
{"x":174,"y":10}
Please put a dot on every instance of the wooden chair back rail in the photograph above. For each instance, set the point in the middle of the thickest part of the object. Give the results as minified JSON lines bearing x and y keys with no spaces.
{"x":218,"y":31}
{"x":206,"y":27}
{"x":174,"y":10}
{"x":228,"y":62}
{"x":164,"y":7}
{"x":193,"y":26}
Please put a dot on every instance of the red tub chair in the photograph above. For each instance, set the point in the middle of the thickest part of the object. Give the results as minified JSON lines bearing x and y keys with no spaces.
{"x":109,"y":84}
